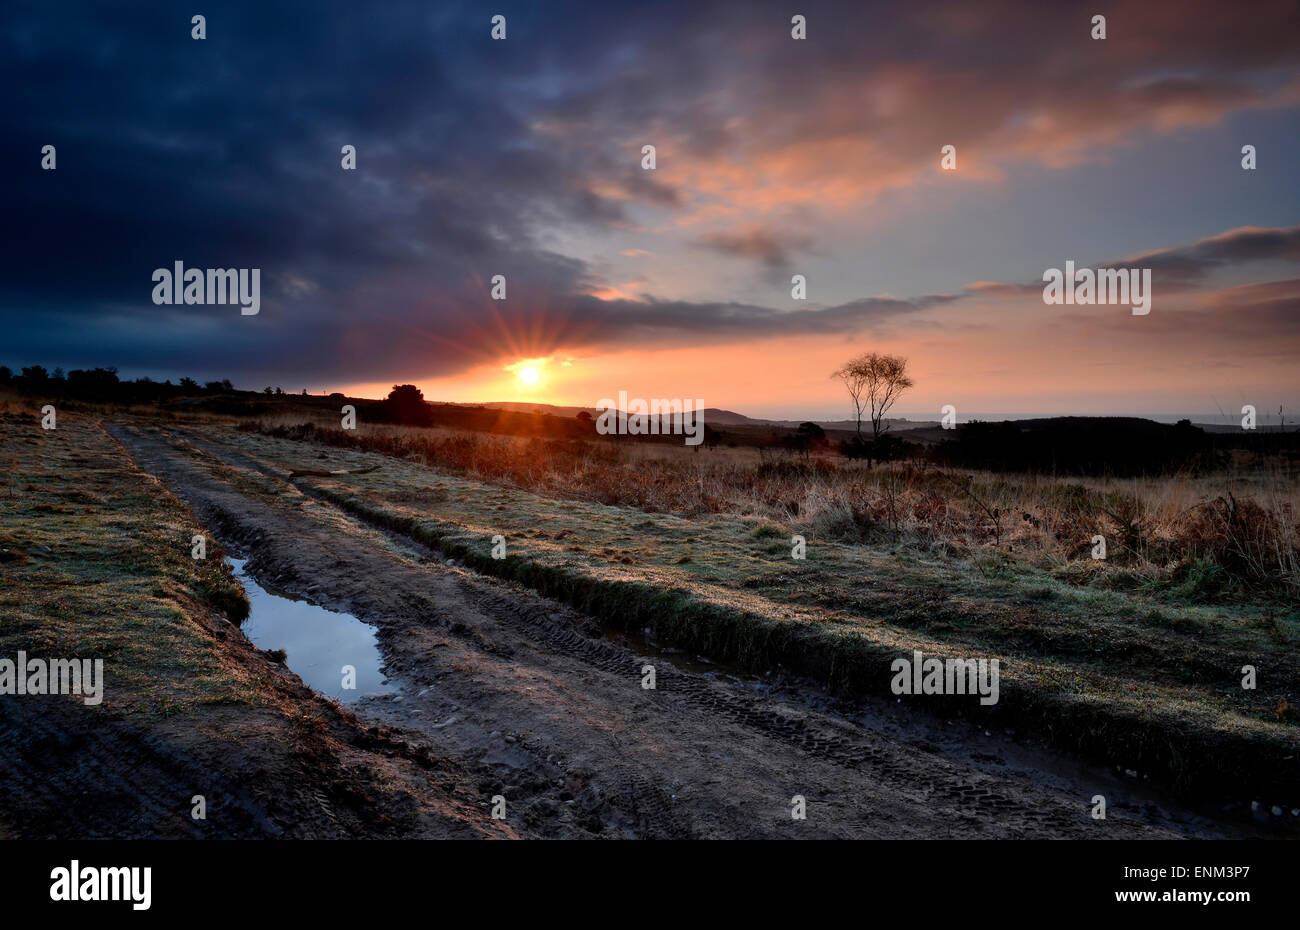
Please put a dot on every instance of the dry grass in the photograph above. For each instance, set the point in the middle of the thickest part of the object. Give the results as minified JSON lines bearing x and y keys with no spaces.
{"x":1227,"y":534}
{"x":1135,"y":675}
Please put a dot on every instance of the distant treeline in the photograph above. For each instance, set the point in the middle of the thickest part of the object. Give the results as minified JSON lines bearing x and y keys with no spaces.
{"x":1105,"y":445}
{"x":103,"y":384}
{"x":1082,"y":445}
{"x":1120,"y":446}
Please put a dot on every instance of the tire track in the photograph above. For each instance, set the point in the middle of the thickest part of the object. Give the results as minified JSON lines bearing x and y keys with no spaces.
{"x":743,"y":709}
{"x":942,"y":787}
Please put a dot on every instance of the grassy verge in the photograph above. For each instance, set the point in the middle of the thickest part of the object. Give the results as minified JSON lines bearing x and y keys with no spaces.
{"x":96,"y":563}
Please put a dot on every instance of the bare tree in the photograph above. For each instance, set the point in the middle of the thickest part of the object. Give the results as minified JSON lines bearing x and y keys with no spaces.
{"x":855,"y":382}
{"x":874,"y":382}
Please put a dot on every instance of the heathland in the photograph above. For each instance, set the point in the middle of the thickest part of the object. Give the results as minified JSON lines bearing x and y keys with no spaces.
{"x":1134,"y":661}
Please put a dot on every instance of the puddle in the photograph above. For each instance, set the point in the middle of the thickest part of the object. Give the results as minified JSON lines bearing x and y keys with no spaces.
{"x":316,"y":641}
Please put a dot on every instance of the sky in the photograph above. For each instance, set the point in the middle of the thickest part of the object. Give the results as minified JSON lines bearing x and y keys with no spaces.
{"x":774,"y":157}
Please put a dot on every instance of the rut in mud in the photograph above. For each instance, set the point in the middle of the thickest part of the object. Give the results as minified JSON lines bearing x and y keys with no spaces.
{"x":521,"y":693}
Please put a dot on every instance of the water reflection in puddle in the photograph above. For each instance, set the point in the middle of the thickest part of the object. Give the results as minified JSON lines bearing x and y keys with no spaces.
{"x":316,"y":641}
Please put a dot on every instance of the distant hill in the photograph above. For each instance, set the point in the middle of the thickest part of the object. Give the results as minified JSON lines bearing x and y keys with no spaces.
{"x":714,"y":416}
{"x":524,"y":407}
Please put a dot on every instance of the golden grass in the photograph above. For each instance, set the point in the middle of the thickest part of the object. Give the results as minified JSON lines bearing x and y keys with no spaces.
{"x":1230,"y":533}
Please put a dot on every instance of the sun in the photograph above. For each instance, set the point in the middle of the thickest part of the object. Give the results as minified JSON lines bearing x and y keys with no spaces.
{"x":528,"y":370}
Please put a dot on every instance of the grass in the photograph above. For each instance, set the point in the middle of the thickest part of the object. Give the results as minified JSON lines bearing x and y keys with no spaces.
{"x":1124,"y":670}
{"x":96,"y":563}
{"x":1206,"y":537}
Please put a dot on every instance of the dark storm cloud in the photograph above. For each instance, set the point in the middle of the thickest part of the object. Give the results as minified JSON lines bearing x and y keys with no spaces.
{"x":225,"y":153}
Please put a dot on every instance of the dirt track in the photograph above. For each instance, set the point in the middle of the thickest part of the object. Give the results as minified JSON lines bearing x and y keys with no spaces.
{"x":525,"y":695}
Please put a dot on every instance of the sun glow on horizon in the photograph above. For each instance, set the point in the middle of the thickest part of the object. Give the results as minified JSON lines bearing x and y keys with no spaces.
{"x":528,"y":371}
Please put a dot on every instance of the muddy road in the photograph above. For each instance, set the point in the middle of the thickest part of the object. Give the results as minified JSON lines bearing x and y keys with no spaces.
{"x":530,"y":698}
